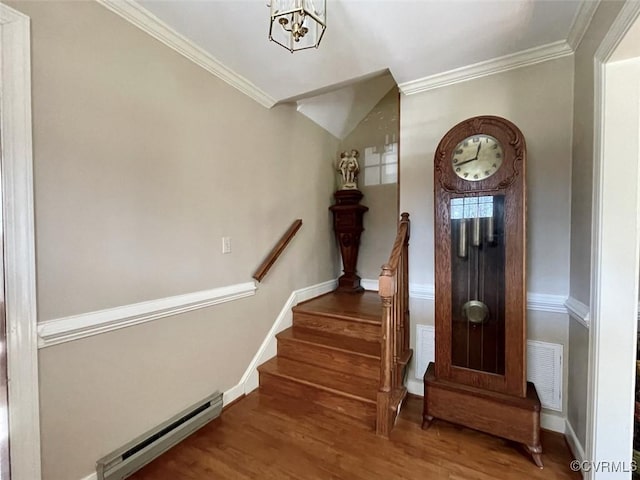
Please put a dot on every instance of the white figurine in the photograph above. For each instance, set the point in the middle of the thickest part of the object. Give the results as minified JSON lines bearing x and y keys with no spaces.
{"x":349,"y":168}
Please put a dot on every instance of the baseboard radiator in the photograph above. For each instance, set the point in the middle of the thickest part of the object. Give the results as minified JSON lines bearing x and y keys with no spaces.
{"x":126,"y":460}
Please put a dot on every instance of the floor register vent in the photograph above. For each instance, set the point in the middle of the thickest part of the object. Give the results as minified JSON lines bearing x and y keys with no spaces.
{"x":131,"y":457}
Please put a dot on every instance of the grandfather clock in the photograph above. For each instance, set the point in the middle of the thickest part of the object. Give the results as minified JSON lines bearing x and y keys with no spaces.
{"x":479,"y":376}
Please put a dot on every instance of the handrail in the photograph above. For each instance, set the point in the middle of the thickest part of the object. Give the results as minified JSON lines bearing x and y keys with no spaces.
{"x":393,"y":288}
{"x":268,"y":262}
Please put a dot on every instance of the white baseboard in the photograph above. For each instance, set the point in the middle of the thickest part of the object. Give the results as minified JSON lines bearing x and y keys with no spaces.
{"x":369,"y":284}
{"x":92,"y":476}
{"x":574,"y":444}
{"x":553,"y":421}
{"x":415,"y":387}
{"x":268,"y":348}
{"x":232,"y":394}
{"x":549,"y":421}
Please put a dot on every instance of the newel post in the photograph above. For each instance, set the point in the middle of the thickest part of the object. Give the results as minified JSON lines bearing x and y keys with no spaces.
{"x":386,"y":289}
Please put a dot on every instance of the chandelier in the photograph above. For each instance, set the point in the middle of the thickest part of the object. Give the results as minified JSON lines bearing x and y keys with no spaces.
{"x":297,"y":24}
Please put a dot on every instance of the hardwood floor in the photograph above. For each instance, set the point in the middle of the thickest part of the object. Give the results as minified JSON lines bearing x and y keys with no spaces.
{"x":266,"y":436}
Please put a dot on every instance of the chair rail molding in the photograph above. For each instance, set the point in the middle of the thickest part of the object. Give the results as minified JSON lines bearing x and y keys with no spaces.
{"x":578,"y":311}
{"x":139,"y":16}
{"x":542,"y":302}
{"x":19,"y":244}
{"x":74,"y":327}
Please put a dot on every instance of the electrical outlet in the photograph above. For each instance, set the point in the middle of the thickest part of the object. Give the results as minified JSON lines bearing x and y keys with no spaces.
{"x":226,"y":244}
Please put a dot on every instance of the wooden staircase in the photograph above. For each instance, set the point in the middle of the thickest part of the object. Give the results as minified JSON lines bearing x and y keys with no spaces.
{"x":349,"y":352}
{"x":331,"y":355}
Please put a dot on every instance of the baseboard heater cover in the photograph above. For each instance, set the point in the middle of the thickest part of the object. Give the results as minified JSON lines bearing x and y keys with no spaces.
{"x":131,"y":457}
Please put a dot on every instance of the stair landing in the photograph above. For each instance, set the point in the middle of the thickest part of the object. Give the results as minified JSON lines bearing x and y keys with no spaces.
{"x":360,"y":306}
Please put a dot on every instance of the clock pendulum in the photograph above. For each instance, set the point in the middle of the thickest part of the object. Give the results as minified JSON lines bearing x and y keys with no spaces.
{"x":479,"y":375}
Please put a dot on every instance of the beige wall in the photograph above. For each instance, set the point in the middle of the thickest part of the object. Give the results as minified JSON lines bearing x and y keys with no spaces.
{"x":539,"y":100}
{"x":581,"y":201}
{"x":143,"y":161}
{"x":380,"y":222}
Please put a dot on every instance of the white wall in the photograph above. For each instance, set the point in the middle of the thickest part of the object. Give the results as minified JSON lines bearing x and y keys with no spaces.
{"x":539,"y":100}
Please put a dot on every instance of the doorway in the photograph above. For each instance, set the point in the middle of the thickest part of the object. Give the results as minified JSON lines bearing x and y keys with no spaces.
{"x":615,"y":248}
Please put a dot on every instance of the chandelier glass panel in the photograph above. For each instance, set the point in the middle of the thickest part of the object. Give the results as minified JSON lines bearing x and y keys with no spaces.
{"x":297,"y":24}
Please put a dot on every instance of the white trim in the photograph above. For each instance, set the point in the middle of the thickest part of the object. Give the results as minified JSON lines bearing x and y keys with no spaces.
{"x":149,"y":23}
{"x":91,"y":476}
{"x":578,"y":311}
{"x":422,"y":292}
{"x":415,"y":387}
{"x":232,"y":394}
{"x":611,"y":343}
{"x":67,"y":329}
{"x":552,"y":421}
{"x":512,"y":61}
{"x":548,"y":420}
{"x":19,"y":247}
{"x":268,"y":348}
{"x":543,"y":302}
{"x":581,"y":22}
{"x":369,"y":284}
{"x":574,"y":443}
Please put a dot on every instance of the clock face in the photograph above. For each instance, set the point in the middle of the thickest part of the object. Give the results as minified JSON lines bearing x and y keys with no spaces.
{"x":477,"y":157}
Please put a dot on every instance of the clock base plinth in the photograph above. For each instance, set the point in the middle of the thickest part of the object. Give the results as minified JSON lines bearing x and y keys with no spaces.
{"x":506,"y":416}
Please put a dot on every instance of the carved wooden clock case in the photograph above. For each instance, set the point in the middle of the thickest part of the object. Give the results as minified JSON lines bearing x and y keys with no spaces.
{"x":479,"y":376}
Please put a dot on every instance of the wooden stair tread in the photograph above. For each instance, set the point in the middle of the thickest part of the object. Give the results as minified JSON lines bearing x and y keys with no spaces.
{"x":364,"y":307}
{"x":358,"y":388}
{"x":332,"y":341}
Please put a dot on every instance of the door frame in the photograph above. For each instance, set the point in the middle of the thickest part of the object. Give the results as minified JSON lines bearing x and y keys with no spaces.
{"x":615,"y":240}
{"x":20,"y":270}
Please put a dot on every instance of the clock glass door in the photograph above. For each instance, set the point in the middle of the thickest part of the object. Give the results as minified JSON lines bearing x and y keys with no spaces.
{"x":478,"y":283}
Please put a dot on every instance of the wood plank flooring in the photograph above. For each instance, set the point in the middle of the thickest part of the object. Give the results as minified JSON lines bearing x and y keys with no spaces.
{"x":266,"y":436}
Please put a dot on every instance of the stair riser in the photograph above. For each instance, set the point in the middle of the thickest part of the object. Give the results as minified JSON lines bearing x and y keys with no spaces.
{"x":328,"y":358}
{"x":364,"y":412}
{"x":337,"y":326}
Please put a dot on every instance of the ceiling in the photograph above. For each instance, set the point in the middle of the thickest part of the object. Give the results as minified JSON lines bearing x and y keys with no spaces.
{"x":412,"y":39}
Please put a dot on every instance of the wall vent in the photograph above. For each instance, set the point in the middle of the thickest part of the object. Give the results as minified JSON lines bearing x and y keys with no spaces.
{"x":544,"y":369}
{"x":425,"y":349}
{"x":544,"y":365}
{"x":129,"y":458}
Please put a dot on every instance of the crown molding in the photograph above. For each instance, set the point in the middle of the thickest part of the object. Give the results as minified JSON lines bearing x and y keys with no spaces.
{"x":152,"y":25}
{"x":513,"y":61}
{"x":581,"y":22}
